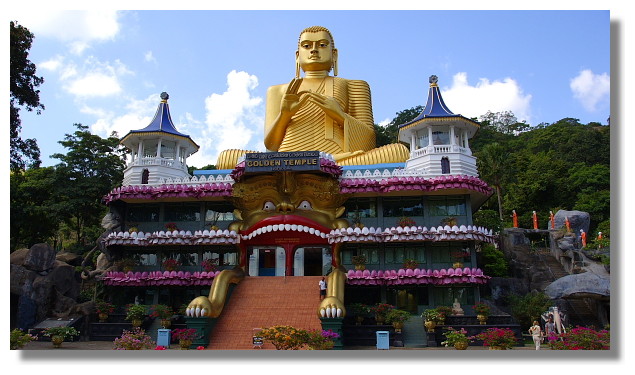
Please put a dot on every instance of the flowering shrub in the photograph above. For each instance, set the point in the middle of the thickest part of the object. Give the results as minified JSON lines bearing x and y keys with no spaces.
{"x":209,"y":265}
{"x":482,"y":308}
{"x":453,"y":336}
{"x":137,"y":339}
{"x":103,"y":307}
{"x":430,"y":315}
{"x":381,"y":309}
{"x":406,"y":222}
{"x":581,"y":338}
{"x":410,"y":264}
{"x":161,"y":311}
{"x":185,"y":334}
{"x":444,"y":311}
{"x":135,"y":312}
{"x":501,"y":337}
{"x":285,"y":337}
{"x":171,"y":264}
{"x":159,"y":347}
{"x":20,"y":338}
{"x":359,"y":260}
{"x":65,"y":332}
{"x":321,"y":339}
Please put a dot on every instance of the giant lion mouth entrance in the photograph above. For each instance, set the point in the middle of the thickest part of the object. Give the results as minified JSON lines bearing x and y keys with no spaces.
{"x":287,"y":245}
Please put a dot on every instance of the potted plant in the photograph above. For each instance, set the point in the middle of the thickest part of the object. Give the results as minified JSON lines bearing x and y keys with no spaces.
{"x":163,"y":312}
{"x":137,"y":339}
{"x":430,"y":317}
{"x":60,"y":334}
{"x":482,"y":312}
{"x":359,"y":261}
{"x":450,"y":221}
{"x":397,"y":318}
{"x":380,"y":310}
{"x":126,"y":264}
{"x":497,"y":338}
{"x":171,"y":227}
{"x":19,"y":338}
{"x":185,"y":337}
{"x":406,"y":222}
{"x":360,"y":311}
{"x":285,"y":337}
{"x":459,"y":256}
{"x":410,"y":264}
{"x":456,"y":338}
{"x":135,"y":314}
{"x":443,"y":312}
{"x":104,"y":309}
{"x":321,"y":339}
{"x":171,"y":264}
{"x":209,"y":265}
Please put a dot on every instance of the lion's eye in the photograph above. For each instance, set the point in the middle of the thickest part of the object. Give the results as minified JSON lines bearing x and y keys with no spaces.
{"x":305,"y":205}
{"x":268,"y":206}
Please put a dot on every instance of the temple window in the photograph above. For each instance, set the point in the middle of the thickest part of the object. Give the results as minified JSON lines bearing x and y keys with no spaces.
{"x":446,"y":206}
{"x":445,"y":165}
{"x":441,"y":137}
{"x":361,"y":208}
{"x":142,"y":213}
{"x":396,"y":255}
{"x":423,"y":138}
{"x":182,"y":212}
{"x":145,"y":176}
{"x":218,"y":211}
{"x":402,"y":206}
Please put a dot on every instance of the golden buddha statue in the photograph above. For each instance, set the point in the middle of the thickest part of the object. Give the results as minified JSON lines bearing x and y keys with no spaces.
{"x":321,"y":112}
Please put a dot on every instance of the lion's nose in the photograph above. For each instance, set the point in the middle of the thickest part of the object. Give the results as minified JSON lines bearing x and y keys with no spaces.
{"x":285,"y":207}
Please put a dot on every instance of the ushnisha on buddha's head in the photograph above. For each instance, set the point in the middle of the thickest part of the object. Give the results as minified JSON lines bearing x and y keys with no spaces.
{"x":316,"y":51}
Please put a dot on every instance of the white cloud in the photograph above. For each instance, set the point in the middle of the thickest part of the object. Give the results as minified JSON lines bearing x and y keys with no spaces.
{"x":591,"y":90}
{"x":138,"y":115}
{"x":93,"y":79}
{"x":78,"y":25}
{"x":149,"y":57}
{"x":94,"y":84}
{"x":486,"y":95}
{"x":234,"y":119}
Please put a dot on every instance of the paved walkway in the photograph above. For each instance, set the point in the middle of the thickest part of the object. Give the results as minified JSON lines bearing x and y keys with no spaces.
{"x":107,"y":345}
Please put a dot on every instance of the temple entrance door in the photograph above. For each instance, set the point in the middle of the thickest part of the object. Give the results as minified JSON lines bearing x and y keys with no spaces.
{"x":266,"y":261}
{"x":312,"y":261}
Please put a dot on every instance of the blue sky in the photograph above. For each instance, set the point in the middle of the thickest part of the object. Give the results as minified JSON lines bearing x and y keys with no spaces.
{"x":106,"y":69}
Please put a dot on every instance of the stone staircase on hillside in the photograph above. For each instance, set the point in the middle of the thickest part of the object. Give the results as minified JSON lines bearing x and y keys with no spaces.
{"x":264,"y":301}
{"x":556,"y":268}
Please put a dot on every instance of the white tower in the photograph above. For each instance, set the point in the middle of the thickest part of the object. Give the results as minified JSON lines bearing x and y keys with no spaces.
{"x":158,"y":151}
{"x":439,"y":139}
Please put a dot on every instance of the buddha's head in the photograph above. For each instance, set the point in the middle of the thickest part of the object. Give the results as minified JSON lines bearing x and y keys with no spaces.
{"x":316,"y":50}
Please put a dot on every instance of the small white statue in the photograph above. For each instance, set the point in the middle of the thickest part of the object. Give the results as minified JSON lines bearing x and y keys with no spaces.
{"x":456,"y":308}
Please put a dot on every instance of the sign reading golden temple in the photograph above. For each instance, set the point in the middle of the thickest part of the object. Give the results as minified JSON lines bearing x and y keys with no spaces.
{"x":282,"y":161}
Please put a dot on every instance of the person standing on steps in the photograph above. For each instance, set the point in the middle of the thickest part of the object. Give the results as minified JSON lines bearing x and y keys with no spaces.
{"x":322,"y":285}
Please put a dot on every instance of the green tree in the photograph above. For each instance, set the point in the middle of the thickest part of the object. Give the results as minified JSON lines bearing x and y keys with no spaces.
{"x":389,"y":133}
{"x":494,"y":262}
{"x":34,"y":207}
{"x":525,"y":309}
{"x":90,"y":169}
{"x":23,"y":93}
{"x":493,"y":163}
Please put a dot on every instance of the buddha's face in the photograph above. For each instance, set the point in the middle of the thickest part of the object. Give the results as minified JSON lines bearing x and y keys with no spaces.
{"x":315,"y":51}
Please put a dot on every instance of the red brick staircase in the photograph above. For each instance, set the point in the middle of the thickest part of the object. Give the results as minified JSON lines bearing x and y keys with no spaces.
{"x":264,"y":301}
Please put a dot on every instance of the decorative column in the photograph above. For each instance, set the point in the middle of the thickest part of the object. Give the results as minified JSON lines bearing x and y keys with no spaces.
{"x":452,"y":140}
{"x":430,"y":144}
{"x":413,"y":139}
{"x":159,"y":148}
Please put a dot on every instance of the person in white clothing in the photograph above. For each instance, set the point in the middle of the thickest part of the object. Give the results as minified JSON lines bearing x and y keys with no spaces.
{"x":322,"y":284}
{"x":536,"y":333}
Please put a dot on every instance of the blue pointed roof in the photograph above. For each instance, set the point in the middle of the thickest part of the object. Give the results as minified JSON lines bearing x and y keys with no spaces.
{"x":161,"y":123}
{"x":435,"y":107}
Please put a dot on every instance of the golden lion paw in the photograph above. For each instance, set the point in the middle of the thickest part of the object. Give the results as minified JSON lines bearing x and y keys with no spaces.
{"x":331,"y":307}
{"x":199,"y":307}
